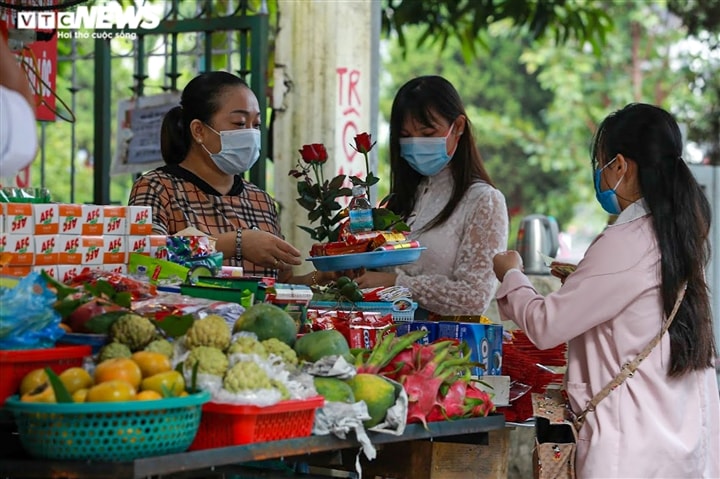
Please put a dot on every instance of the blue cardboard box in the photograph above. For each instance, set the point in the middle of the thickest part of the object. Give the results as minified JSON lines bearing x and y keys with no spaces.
{"x":485,"y":341}
{"x":429,"y":326}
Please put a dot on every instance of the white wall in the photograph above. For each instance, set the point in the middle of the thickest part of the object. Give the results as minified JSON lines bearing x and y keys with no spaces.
{"x":326,"y":91}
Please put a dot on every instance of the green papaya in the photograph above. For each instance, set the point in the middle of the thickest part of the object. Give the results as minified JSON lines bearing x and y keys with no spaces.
{"x":267,"y":321}
{"x":334,"y":389}
{"x":316,"y":345}
{"x":378,"y":394}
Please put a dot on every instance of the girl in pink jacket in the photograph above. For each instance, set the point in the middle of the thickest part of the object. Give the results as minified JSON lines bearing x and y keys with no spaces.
{"x":664,"y":421}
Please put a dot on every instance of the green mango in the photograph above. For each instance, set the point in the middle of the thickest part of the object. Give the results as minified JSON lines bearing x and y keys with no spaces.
{"x":316,"y":345}
{"x":334,"y":389}
{"x":377,"y":392}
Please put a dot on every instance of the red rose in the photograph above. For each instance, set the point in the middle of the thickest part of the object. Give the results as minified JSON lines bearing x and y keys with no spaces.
{"x":314,"y":153}
{"x":322,"y":154}
{"x":363,"y":143}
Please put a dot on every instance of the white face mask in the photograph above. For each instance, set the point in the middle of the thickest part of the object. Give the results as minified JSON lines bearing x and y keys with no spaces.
{"x":239,"y":150}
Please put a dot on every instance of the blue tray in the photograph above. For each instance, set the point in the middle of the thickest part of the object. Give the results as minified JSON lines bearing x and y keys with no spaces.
{"x":373,"y":259}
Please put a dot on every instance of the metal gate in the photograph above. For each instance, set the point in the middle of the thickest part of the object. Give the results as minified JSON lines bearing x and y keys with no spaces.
{"x":193,"y":36}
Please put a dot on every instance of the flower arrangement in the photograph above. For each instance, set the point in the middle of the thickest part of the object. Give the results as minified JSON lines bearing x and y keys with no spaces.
{"x":319,"y":196}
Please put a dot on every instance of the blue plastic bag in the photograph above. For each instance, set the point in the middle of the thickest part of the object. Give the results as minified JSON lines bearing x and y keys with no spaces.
{"x":27,"y":317}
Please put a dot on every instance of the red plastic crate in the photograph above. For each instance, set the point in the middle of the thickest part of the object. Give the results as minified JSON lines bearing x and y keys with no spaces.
{"x":224,"y":425}
{"x":16,"y":363}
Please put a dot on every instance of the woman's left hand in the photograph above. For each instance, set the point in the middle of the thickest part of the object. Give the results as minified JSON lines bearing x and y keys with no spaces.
{"x":505,"y":261}
{"x":374,"y":279}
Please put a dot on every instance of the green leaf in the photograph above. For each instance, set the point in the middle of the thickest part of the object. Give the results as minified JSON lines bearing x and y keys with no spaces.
{"x":175,"y":325}
{"x":101,"y":288}
{"x":67,"y":306}
{"x":356,"y":181}
{"x":314,"y":215}
{"x":101,"y":323}
{"x":337,"y":182}
{"x":123,"y":299}
{"x":62,"y":291}
{"x":61,"y":393}
{"x":306,"y":203}
{"x":193,"y":378}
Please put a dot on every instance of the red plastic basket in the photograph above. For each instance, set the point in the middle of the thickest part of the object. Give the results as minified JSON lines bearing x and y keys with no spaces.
{"x":224,"y":425}
{"x":16,"y":363}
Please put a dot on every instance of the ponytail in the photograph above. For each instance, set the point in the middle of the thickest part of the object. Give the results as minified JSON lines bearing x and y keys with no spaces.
{"x":174,"y":137}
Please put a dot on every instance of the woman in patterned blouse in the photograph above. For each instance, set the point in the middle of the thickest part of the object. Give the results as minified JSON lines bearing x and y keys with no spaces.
{"x":439,"y":186}
{"x":207,"y":143}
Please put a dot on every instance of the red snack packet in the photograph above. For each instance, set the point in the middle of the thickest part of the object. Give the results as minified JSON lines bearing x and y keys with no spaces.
{"x":367,"y":329}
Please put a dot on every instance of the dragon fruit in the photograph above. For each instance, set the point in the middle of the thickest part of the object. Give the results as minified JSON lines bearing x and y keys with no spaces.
{"x":435,"y":376}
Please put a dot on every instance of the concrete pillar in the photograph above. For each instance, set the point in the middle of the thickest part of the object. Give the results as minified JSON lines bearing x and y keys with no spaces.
{"x":326,"y":91}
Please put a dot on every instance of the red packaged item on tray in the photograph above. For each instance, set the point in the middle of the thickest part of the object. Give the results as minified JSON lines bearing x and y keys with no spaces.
{"x":366,"y":329}
{"x":355,"y":238}
{"x":339,"y":247}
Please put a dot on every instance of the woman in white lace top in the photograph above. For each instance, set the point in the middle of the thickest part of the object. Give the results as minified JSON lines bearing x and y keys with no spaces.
{"x":440,"y":187}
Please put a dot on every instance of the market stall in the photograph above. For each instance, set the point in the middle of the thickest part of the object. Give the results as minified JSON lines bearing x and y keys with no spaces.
{"x":143,"y":356}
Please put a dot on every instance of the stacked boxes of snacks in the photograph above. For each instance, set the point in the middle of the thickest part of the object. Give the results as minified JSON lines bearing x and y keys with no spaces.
{"x":62,"y":239}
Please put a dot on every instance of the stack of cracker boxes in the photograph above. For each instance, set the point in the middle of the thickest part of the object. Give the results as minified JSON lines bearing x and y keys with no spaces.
{"x":63,"y":239}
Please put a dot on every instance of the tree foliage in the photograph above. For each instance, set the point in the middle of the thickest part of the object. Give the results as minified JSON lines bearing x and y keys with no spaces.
{"x":535,"y":104}
{"x":467,"y":20}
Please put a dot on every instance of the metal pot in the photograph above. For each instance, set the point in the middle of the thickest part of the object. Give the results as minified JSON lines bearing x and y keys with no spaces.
{"x":537,"y":235}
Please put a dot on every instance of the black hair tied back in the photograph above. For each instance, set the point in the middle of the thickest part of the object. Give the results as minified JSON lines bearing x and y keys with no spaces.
{"x":174,"y":140}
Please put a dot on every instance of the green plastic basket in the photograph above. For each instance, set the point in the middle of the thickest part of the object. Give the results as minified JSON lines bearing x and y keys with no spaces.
{"x":107,"y":431}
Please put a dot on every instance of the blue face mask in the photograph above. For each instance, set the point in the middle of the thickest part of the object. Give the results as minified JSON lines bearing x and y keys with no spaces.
{"x":608,"y":198}
{"x":426,"y":155}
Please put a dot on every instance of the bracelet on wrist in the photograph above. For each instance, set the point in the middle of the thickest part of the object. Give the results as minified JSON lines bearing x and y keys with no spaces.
{"x":238,"y":245}
{"x":313,"y":279}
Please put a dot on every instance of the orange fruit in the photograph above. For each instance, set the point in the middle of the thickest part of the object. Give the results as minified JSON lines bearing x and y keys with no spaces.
{"x":148,"y":395}
{"x":113,"y":390}
{"x":80,"y":395}
{"x":170,"y":382}
{"x":151,"y":363}
{"x":123,"y":369}
{"x":32,"y":380}
{"x":76,"y":378}
{"x":43,"y":393}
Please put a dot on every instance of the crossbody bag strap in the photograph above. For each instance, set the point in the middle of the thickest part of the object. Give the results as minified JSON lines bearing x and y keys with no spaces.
{"x":628,"y":369}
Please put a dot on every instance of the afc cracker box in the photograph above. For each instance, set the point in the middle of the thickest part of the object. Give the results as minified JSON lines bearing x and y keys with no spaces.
{"x":138,"y":244}
{"x":17,"y":249}
{"x":67,"y":272}
{"x":114,"y":249}
{"x":46,"y":218}
{"x":158,"y":246}
{"x":18,"y":219}
{"x":70,"y":219}
{"x":69,"y":249}
{"x":92,"y":220}
{"x":139,"y":220}
{"x":114,"y":220}
{"x":91,"y":248}
{"x":46,"y":249}
{"x":51,"y":270}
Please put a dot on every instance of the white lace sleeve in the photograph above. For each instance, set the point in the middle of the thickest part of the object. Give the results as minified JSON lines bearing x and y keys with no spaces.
{"x":472,"y":284}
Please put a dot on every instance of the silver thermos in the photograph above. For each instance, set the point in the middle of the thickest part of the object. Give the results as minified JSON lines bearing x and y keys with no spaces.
{"x":537,"y":234}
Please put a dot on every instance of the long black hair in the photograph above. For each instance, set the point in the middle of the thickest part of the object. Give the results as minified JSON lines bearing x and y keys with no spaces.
{"x":681,"y":217}
{"x":425,"y":99}
{"x":200,"y":100}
